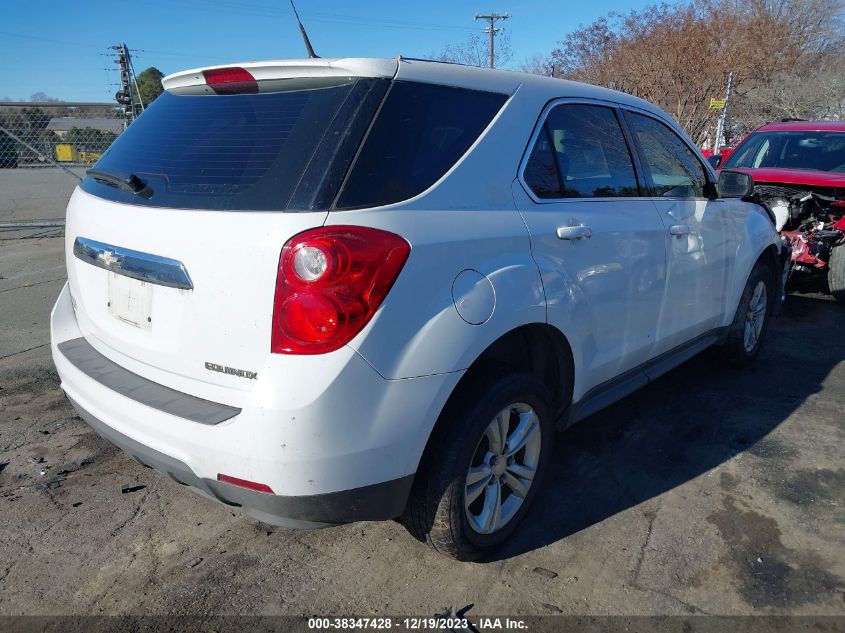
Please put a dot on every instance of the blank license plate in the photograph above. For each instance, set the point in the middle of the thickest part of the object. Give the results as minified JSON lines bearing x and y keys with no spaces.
{"x":131,"y":301}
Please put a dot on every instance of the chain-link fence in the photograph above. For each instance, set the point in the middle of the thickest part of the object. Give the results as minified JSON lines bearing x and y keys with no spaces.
{"x":56,"y":134}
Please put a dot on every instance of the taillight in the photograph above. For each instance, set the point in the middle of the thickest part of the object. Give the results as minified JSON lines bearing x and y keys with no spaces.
{"x":330,"y":282}
{"x":230,"y":81}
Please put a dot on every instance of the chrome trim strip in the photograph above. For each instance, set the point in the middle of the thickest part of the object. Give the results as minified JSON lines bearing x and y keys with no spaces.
{"x":110,"y":375}
{"x":153,"y":269}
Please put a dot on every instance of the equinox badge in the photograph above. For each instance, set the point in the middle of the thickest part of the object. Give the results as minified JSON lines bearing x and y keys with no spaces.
{"x":240,"y":373}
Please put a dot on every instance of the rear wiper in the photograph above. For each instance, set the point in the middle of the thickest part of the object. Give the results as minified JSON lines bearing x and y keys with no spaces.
{"x":122,"y":180}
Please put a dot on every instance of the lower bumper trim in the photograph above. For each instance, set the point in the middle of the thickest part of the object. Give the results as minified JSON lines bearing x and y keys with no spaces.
{"x":89,"y":361}
{"x":381,"y":501}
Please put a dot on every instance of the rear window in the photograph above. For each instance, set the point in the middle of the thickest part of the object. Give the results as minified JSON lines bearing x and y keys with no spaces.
{"x":359,"y":143}
{"x":246,"y":151}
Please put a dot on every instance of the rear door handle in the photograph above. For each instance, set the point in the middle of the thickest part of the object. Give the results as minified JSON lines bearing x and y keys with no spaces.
{"x":679,"y":229}
{"x":579,"y":232}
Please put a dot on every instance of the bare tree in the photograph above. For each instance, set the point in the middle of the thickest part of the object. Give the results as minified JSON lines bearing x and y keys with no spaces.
{"x":43,"y":97}
{"x":813,"y":85}
{"x":538,"y":65}
{"x":475,"y":51}
{"x":679,"y":56}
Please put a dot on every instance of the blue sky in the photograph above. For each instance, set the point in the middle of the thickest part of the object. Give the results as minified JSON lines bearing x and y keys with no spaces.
{"x":61,"y":47}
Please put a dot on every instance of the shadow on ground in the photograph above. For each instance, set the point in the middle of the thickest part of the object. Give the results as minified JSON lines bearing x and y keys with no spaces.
{"x":683,"y":425}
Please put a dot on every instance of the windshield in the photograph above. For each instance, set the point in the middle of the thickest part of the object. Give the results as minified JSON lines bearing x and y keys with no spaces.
{"x":820,"y":151}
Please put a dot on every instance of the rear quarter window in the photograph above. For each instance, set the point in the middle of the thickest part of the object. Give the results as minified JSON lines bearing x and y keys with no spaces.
{"x":419,"y":133}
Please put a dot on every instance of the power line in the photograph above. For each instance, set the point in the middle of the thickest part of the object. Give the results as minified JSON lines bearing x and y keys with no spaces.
{"x":318,"y":16}
{"x":86,"y":45}
{"x":257,"y":10}
{"x":492,"y":18}
{"x":48,"y":39}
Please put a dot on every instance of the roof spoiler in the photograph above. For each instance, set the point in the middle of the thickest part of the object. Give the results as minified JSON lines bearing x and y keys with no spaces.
{"x":290,"y":69}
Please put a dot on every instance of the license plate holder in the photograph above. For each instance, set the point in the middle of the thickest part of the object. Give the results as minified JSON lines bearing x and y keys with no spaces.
{"x":131,"y":301}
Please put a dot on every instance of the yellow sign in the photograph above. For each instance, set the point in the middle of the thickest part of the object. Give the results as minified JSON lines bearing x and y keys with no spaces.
{"x":717,"y":104}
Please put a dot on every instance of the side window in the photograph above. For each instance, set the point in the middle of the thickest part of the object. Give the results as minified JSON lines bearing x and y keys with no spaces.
{"x":675,"y":172}
{"x":421,"y":131}
{"x":584,"y":143}
{"x":541,"y":171}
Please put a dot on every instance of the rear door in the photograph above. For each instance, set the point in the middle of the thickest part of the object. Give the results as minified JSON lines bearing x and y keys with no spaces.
{"x":700,"y":233}
{"x":599,"y":243}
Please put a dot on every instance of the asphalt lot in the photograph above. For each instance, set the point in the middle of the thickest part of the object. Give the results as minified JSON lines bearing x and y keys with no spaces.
{"x":713,"y":490}
{"x":35,"y":193}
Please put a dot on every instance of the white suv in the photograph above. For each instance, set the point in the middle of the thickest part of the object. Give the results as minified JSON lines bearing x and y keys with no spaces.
{"x":326,"y":291}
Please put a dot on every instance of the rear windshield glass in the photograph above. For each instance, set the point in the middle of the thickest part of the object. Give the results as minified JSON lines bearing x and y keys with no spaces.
{"x":242,"y":152}
{"x":295,"y":150}
{"x":421,"y":131}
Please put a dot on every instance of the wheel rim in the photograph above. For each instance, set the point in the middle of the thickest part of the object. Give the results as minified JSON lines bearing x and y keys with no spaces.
{"x":755,"y":317}
{"x":502,"y":468}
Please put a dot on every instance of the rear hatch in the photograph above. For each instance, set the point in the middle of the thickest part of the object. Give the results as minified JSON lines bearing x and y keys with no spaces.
{"x":173,"y":239}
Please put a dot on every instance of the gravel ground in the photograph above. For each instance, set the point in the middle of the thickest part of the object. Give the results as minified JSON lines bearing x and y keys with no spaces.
{"x":711,"y":491}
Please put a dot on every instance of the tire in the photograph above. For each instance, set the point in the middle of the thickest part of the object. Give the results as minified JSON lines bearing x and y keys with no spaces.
{"x":747,"y":332}
{"x":836,"y":273}
{"x":436,"y":512}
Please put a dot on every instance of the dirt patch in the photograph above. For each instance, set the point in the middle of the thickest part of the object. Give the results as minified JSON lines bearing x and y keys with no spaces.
{"x":771,"y":575}
{"x":728,"y":482}
{"x":817,"y":486}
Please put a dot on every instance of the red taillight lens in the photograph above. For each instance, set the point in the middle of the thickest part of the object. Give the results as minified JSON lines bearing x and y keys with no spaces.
{"x":330,"y":282}
{"x":230,"y":81}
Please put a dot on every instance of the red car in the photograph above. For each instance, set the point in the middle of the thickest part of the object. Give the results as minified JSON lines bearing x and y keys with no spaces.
{"x":799,"y":174}
{"x":724,"y":152}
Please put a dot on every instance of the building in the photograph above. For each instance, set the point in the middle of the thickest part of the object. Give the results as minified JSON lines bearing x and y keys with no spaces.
{"x":63,"y":124}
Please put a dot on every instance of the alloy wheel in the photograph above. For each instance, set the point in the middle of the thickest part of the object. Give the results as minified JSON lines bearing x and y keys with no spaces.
{"x":502,"y":468}
{"x":755,"y":317}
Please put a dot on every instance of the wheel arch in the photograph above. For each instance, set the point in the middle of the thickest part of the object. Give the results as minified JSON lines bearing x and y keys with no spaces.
{"x":537,"y":348}
{"x":771,"y":258}
{"x":759,"y":231}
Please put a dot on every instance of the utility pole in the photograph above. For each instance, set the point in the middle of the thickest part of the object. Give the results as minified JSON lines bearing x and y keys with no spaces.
{"x":723,"y":118}
{"x":126,"y":96}
{"x":491,"y":30}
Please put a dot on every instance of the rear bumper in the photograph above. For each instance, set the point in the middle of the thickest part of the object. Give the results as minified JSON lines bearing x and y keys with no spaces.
{"x":348,"y":455}
{"x":378,"y":501}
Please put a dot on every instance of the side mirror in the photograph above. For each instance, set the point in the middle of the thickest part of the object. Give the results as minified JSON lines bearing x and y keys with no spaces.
{"x":715,"y":160}
{"x":735,"y":184}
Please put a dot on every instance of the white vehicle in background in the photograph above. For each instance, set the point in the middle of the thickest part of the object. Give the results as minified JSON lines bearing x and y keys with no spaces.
{"x":326,"y":291}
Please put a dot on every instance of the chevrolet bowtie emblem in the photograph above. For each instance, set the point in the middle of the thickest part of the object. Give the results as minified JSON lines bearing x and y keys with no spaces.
{"x":108,"y":258}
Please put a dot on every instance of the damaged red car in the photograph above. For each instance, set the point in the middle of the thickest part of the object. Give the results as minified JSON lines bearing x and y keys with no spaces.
{"x":799,"y":174}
